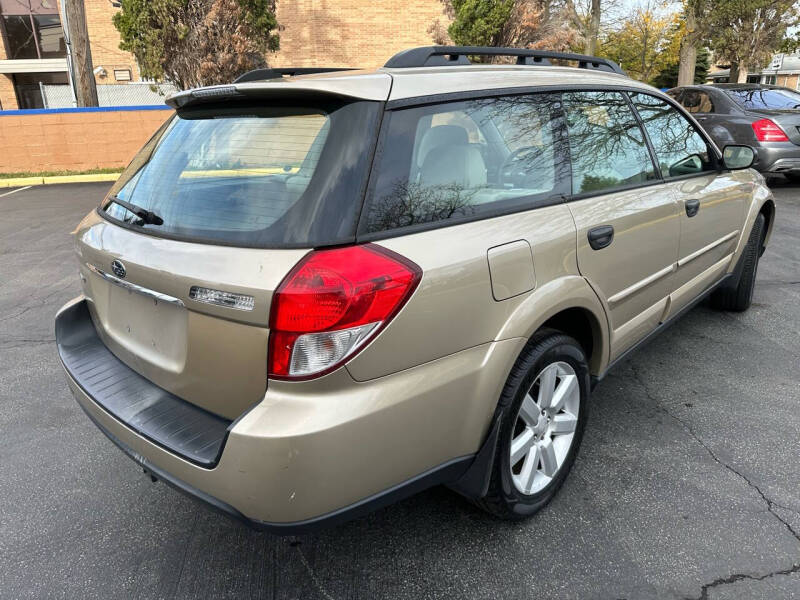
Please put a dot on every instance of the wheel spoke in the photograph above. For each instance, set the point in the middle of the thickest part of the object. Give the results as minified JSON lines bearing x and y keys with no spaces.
{"x":544,"y":427}
{"x":529,"y":412}
{"x":529,"y":469}
{"x":566,"y":388}
{"x":549,"y":460}
{"x":521,"y":445}
{"x":564,"y":423}
{"x":547,"y":384}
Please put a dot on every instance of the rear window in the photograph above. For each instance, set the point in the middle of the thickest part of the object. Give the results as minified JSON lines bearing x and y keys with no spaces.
{"x":770,"y":99}
{"x":264,"y":176}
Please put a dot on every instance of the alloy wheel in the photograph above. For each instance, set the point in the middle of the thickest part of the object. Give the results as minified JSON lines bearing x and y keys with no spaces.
{"x":544,"y":428}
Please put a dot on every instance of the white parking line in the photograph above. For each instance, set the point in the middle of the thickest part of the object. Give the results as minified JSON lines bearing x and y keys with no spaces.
{"x":16,"y":190}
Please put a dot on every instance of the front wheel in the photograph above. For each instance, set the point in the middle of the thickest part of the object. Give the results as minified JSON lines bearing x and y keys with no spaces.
{"x":543,"y":411}
{"x":740,"y":296}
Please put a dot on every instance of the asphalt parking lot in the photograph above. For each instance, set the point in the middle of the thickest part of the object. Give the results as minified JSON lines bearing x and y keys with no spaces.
{"x":687,"y":484}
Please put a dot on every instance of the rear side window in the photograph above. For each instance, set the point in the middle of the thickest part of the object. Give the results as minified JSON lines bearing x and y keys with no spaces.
{"x":764,"y":98}
{"x":460,"y":160}
{"x":695,"y":101}
{"x":606,"y":144}
{"x":679,"y":148}
{"x":265,"y":176}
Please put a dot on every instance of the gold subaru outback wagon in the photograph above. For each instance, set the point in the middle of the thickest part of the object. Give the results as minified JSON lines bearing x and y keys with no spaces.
{"x":312,"y":294}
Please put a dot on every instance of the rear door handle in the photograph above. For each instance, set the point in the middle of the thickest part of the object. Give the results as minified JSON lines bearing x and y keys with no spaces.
{"x":600,"y":237}
{"x":692,"y":206}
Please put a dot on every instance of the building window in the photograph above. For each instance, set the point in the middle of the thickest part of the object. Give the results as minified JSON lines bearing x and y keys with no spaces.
{"x":769,"y":79}
{"x":28,"y":87}
{"x":31,"y":29}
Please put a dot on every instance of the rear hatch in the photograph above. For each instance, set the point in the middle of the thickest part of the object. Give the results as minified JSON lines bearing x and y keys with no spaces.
{"x":780,"y":105}
{"x":181,"y":259}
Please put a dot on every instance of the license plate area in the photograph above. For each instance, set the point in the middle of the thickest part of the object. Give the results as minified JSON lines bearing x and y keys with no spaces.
{"x":151,"y":329}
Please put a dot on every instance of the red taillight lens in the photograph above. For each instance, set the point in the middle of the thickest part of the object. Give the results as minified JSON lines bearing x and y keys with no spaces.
{"x":767,"y":131}
{"x":331,"y":304}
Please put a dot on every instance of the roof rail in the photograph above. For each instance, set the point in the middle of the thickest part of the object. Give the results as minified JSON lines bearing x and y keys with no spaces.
{"x":439,"y":56}
{"x":262,"y":74}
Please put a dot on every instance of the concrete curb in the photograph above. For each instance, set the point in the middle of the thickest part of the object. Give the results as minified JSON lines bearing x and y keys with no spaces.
{"x":23,"y":181}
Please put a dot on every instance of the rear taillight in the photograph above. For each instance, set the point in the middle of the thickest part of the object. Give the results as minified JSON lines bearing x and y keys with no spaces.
{"x":331,"y":304}
{"x":767,"y":131}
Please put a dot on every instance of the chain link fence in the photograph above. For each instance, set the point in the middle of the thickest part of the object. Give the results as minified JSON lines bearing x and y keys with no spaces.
{"x":122,"y":94}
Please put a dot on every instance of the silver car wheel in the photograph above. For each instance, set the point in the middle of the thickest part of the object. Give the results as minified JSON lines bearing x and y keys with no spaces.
{"x":545,"y":427}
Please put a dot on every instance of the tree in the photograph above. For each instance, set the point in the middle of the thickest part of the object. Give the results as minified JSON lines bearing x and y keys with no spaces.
{"x":691,"y":65}
{"x":197,"y":42}
{"x":642,"y":44}
{"x":668,"y":77}
{"x":514,"y":23}
{"x":790,"y":44}
{"x":694,"y":13}
{"x":585,"y":16}
{"x":479,"y":22}
{"x":537,"y":24}
{"x":747,"y":32}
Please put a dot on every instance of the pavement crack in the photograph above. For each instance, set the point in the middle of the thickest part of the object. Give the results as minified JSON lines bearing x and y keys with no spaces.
{"x":21,"y":343}
{"x":771,"y":505}
{"x":39,"y":301}
{"x":704,"y":591}
{"x":20,"y":313}
{"x":779,"y":282}
{"x":320,"y":588}
{"x":189,"y":539}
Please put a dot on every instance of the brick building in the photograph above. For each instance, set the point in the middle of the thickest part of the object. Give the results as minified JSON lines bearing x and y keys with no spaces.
{"x":784,"y":70}
{"x":32,"y":50}
{"x":352,"y":33}
{"x":359,"y":33}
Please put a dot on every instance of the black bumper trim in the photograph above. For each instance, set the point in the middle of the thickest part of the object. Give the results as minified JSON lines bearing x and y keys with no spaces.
{"x":177,"y":426}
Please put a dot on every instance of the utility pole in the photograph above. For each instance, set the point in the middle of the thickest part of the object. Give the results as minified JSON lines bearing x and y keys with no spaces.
{"x":80,"y":56}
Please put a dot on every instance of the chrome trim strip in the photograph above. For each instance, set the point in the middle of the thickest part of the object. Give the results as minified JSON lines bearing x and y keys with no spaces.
{"x":642,"y":284}
{"x":135,"y":288}
{"x":704,"y":249}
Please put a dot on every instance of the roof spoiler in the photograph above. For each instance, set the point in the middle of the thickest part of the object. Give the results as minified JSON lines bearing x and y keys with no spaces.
{"x":265,"y":74}
{"x":440,"y":56}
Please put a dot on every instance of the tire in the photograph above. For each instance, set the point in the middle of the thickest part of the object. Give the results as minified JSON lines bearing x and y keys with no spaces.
{"x":549,"y":353}
{"x":739,"y":296}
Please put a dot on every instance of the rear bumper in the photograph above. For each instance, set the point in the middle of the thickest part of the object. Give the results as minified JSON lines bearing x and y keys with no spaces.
{"x":157,"y":415}
{"x":315,"y":453}
{"x":778,"y":157}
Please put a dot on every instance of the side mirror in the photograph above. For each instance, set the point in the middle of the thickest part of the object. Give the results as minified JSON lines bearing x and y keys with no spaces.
{"x":738,"y":157}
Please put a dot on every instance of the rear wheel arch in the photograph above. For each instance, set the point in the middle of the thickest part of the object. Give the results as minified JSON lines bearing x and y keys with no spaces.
{"x":569,"y":305}
{"x":583,"y":325}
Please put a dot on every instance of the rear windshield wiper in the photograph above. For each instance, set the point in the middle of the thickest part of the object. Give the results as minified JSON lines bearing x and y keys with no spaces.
{"x":148,"y":216}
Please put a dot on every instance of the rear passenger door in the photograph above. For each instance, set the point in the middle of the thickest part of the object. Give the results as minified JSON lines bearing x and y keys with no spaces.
{"x":699,"y":103}
{"x":627,"y":226}
{"x":711,"y":202}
